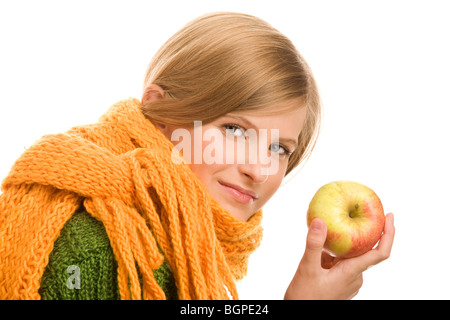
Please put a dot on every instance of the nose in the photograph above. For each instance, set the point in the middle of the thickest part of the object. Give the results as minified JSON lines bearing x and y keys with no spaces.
{"x":253,"y":172}
{"x":257,"y":164}
{"x":257,"y":172}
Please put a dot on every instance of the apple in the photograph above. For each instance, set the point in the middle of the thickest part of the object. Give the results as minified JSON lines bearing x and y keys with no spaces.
{"x":354,"y":216}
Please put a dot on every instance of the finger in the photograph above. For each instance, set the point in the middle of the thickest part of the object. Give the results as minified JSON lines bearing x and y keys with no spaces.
{"x":317,"y":234}
{"x":387,"y":239}
{"x":381,"y":252}
{"x":353,"y":295}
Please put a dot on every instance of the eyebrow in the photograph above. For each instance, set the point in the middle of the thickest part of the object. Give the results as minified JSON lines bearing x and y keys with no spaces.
{"x":248,"y":123}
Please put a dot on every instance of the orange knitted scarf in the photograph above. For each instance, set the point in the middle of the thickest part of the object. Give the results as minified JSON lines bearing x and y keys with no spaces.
{"x":121,"y":169}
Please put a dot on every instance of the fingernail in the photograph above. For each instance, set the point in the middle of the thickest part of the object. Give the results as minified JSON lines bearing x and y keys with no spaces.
{"x":316,"y":225}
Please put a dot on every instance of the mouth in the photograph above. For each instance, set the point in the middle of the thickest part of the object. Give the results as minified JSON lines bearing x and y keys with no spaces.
{"x":238,"y":193}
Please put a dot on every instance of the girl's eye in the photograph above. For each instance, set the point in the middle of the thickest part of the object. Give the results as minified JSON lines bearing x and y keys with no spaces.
{"x":235,"y":130}
{"x":281,"y":150}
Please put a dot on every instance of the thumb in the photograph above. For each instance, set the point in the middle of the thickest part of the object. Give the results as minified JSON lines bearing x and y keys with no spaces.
{"x":317,"y":234}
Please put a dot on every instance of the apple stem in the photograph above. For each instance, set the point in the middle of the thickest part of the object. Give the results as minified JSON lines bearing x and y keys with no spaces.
{"x":352,"y":212}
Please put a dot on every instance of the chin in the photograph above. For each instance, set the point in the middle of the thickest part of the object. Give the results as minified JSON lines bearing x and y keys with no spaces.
{"x":238,"y":214}
{"x":240,"y":211}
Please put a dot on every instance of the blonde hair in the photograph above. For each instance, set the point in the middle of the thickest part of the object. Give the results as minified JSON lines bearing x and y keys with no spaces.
{"x":229,"y":62}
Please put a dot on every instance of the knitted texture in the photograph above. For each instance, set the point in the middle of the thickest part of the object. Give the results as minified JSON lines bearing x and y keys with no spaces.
{"x":121,"y":169}
{"x":84,"y":245}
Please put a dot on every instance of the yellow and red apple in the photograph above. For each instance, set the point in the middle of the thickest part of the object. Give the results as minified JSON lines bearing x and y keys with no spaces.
{"x":354,"y":216}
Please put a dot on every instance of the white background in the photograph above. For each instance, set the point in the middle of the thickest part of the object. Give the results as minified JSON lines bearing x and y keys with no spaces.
{"x":383,"y":72}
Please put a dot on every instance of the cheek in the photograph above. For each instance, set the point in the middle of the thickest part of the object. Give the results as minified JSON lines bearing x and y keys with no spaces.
{"x":270,"y":187}
{"x":274,"y":184}
{"x":212,"y":154}
{"x":205,"y":172}
{"x":211,"y":147}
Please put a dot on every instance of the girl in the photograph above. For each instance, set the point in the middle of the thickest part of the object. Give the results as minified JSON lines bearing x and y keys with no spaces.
{"x":118,"y":209}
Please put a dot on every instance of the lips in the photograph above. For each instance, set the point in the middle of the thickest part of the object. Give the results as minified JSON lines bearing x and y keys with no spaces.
{"x":240,"y":194}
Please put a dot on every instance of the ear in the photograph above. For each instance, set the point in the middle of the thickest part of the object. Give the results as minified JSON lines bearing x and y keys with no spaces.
{"x":152,"y":92}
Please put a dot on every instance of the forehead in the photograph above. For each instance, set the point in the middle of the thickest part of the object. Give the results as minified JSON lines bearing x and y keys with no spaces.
{"x":275,"y":108}
{"x":291,"y":111}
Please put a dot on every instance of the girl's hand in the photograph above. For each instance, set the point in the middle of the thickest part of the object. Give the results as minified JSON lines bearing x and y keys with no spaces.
{"x":320,"y":276}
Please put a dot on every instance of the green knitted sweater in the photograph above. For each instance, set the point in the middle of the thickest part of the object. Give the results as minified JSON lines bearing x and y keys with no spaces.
{"x":82,"y":265}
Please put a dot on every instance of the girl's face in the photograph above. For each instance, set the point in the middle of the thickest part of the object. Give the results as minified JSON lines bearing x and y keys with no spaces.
{"x":240,"y":158}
